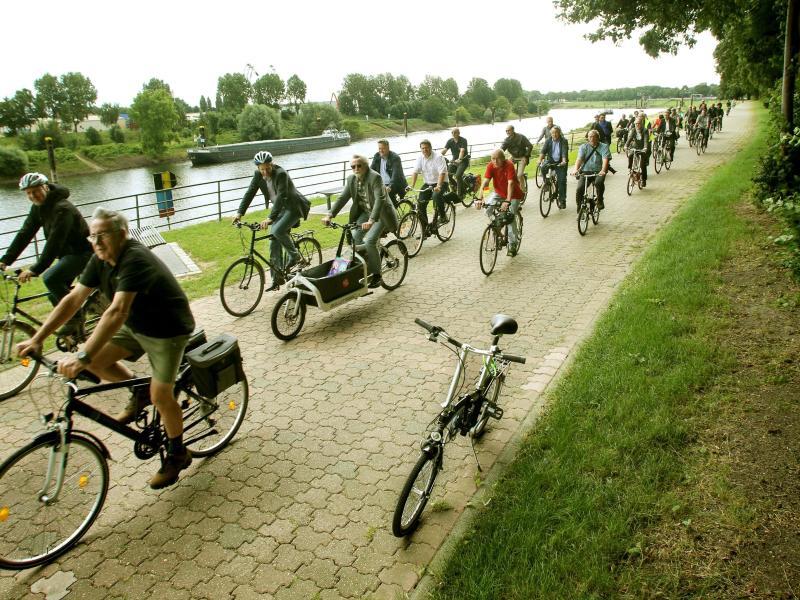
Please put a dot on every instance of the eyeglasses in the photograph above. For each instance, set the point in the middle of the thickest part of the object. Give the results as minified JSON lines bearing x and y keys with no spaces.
{"x":356,"y":166}
{"x":96,"y":237}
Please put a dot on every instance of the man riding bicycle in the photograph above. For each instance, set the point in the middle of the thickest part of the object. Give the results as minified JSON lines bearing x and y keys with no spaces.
{"x":555,"y":155}
{"x":507,"y":192}
{"x":390,"y":166}
{"x":593,"y":157}
{"x":639,"y":139}
{"x":433,"y":168}
{"x":371,"y":209}
{"x":702,"y":123}
{"x":520,"y":148}
{"x":459,"y":151}
{"x":668,"y":127}
{"x":545,"y":134}
{"x":288,"y":206}
{"x":149,"y":314}
{"x":65,"y":230}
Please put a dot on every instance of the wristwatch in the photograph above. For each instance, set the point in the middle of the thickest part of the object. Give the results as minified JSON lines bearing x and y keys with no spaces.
{"x":84,"y":357}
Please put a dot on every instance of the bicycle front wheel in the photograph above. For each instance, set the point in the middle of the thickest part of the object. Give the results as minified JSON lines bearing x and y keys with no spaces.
{"x":39,"y":521}
{"x":545,"y":201}
{"x":403,"y":208}
{"x":15,"y":374}
{"x":596,"y":213}
{"x":489,"y":249}
{"x":658,"y":161}
{"x":631,"y":184}
{"x":415,"y":495}
{"x":310,"y":252}
{"x":518,"y":223}
{"x":288,"y":316}
{"x":538,"y":176}
{"x":445,"y":231}
{"x":242,"y":287}
{"x":583,"y":218}
{"x":410,"y":231}
{"x":394,"y":264}
{"x":209,"y":424}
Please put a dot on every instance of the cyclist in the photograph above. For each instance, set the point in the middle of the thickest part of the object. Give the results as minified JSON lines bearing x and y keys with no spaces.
{"x":459,"y":151}
{"x":390,"y":167}
{"x":288,"y":205}
{"x":520,"y":148}
{"x":593,"y":157}
{"x":639,"y":139}
{"x":703,"y":122}
{"x":555,"y":154}
{"x":605,"y":128}
{"x":149,"y":314}
{"x":545,"y":134}
{"x":433,"y":168}
{"x":622,"y":128}
{"x":667,"y":125}
{"x":371,"y":209}
{"x":720,"y":114}
{"x":65,"y":230}
{"x":507,"y":192}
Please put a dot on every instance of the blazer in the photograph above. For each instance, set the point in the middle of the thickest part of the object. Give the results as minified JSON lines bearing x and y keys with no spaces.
{"x":381,"y":208}
{"x":547,"y":148}
{"x":394,"y":167}
{"x":286,"y":195}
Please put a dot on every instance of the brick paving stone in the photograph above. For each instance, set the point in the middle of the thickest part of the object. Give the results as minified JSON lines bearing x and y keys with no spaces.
{"x":269,"y":579}
{"x":321,"y":571}
{"x":352,"y":584}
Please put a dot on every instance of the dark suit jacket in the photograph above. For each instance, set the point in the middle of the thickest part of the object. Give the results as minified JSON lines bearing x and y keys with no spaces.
{"x":394,"y":167}
{"x":547,"y":148}
{"x":286,"y":195}
{"x":381,"y":208}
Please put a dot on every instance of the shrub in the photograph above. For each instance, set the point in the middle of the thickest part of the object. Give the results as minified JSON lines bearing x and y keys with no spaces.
{"x":434,"y":110}
{"x":314,"y":118}
{"x":13,"y":162}
{"x":116,"y":135}
{"x":93,"y":137}
{"x":259,"y":122}
{"x":47,"y":129}
{"x":353,"y":127}
{"x":462,"y":115}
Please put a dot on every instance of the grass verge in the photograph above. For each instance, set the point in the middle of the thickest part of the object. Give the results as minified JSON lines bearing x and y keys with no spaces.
{"x":605,"y":460}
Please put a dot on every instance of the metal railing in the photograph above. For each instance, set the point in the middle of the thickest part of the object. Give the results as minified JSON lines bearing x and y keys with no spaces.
{"x":211,"y":200}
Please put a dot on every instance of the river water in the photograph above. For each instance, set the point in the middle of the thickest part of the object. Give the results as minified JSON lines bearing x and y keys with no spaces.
{"x":97,"y":187}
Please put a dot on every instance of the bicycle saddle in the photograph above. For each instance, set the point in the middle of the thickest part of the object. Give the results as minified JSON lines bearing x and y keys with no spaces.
{"x":503,"y":324}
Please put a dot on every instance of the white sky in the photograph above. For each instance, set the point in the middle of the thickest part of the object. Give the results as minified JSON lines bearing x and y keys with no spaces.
{"x":190,"y":44}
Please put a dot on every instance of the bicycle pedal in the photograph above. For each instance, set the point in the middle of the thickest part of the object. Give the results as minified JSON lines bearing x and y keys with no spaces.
{"x":494,"y":411}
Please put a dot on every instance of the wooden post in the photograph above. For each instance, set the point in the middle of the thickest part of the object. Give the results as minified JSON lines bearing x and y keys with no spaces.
{"x":51,"y":157}
{"x":405,"y":123}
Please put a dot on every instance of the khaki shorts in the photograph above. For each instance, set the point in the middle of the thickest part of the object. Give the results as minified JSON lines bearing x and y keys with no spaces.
{"x":164,"y":354}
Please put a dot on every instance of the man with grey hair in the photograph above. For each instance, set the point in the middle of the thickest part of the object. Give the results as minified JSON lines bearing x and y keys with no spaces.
{"x":149,"y":314}
{"x":555,"y":155}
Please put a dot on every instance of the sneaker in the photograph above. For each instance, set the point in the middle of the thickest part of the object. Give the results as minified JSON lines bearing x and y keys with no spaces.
{"x":170,"y":468}
{"x":561,"y":204}
{"x":512,"y":250}
{"x":644,"y":184}
{"x":139,"y":400}
{"x":374,"y":281}
{"x":275,"y":285}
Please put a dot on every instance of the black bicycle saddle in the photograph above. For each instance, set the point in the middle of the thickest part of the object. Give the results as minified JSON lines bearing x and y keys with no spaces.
{"x":503,"y":324}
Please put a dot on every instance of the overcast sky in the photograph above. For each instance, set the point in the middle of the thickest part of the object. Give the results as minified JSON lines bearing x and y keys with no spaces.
{"x":120,"y":46}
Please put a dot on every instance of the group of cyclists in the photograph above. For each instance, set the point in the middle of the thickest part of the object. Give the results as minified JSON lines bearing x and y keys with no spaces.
{"x":149,"y":313}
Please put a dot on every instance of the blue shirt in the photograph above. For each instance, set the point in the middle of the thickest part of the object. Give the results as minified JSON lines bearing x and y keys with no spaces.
{"x":595,"y":162}
{"x":555,"y":153}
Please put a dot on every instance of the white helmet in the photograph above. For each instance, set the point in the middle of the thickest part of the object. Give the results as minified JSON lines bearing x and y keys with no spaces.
{"x":262,"y":157}
{"x":30,"y":180}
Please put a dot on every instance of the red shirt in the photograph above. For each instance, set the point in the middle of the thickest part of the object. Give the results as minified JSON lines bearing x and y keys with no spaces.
{"x":500,"y":177}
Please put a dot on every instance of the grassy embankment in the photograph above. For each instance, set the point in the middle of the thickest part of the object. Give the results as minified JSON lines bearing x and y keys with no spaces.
{"x":606,"y":460}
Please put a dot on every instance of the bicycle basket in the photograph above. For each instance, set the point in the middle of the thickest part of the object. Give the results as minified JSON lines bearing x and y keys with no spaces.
{"x":216,"y":365}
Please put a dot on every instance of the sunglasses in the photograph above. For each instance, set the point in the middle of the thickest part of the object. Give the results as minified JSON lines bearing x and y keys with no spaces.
{"x":355,"y":167}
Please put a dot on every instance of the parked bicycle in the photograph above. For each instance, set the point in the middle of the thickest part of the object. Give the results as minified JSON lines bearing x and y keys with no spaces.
{"x":495,"y":238}
{"x":326,"y":286}
{"x":410,"y":229}
{"x":589,"y":207}
{"x":53,"y":489}
{"x":243,"y":282}
{"x":19,"y":325}
{"x":466,"y":414}
{"x":635,"y":174}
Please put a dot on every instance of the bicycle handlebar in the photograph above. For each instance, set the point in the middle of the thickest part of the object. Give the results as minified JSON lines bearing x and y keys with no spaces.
{"x":436,"y":331}
{"x":249,"y":225}
{"x":52,"y":366}
{"x":513,"y":358}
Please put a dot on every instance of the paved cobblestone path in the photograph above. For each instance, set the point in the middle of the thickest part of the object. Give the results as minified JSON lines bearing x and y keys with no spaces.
{"x":300,"y":504}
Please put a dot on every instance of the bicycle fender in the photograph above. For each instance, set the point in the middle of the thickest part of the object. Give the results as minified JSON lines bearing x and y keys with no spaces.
{"x":431,"y":448}
{"x":53,"y":436}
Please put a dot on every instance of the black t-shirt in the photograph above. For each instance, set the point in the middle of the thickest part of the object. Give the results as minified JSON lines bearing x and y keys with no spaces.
{"x":455,"y":147}
{"x":160,"y":308}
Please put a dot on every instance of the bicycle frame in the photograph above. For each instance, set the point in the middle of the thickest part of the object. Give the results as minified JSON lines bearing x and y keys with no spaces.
{"x":15,"y":301}
{"x":254,"y":228}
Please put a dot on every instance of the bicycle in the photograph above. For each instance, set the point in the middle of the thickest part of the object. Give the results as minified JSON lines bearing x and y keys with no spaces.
{"x":53,"y":489}
{"x":658,"y":152}
{"x":319,"y":287}
{"x":495,"y":238}
{"x":410,"y":229}
{"x":16,"y":374}
{"x":589,"y":206}
{"x":635,"y":175}
{"x":470,"y":184}
{"x":524,"y":184}
{"x":701,"y":141}
{"x":622,"y":138}
{"x":242,"y":284}
{"x":466,"y":414}
{"x":549,"y":192}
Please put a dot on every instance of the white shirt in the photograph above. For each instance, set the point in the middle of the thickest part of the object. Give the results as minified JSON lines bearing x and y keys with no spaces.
{"x":270,"y":189}
{"x":431,"y":167}
{"x":384,"y":175}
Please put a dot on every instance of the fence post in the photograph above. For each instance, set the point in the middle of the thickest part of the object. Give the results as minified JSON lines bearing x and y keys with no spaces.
{"x":219,"y":201}
{"x":36,"y":246}
{"x":138,"y":222}
{"x":344,"y":172}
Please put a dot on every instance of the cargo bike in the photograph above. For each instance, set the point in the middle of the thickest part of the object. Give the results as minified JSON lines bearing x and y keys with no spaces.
{"x":336,"y":281}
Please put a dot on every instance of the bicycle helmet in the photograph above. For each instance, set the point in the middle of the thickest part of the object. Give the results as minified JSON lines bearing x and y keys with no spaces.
{"x":30,"y":180}
{"x":262,"y":157}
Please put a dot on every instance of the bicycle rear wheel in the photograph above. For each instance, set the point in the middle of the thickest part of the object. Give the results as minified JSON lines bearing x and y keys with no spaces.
{"x":415,"y":495}
{"x":445,"y":231}
{"x":209,"y":424}
{"x":518,"y":221}
{"x":658,"y":160}
{"x":583,"y":218}
{"x":410,"y":231}
{"x":394,"y":264}
{"x":242,"y":287}
{"x":488,"y":256}
{"x":545,"y":200}
{"x":15,"y":373}
{"x":310,"y":251}
{"x":37,"y":528}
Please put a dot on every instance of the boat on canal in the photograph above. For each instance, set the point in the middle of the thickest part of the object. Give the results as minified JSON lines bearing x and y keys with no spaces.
{"x":210,"y":155}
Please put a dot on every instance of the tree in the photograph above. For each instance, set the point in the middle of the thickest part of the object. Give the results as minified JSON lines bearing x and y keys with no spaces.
{"x":18,"y":112}
{"x":233,"y":92}
{"x":79,"y":97}
{"x":259,"y":122}
{"x":109,"y":114}
{"x":203,"y":104}
{"x":510,"y":88}
{"x":49,"y":95}
{"x":445,"y":89}
{"x":295,"y":92}
{"x":520,"y":106}
{"x":182,"y":108}
{"x":434,"y":110}
{"x":357,"y":96}
{"x":269,"y":89}
{"x":154,"y":112}
{"x":157,"y":84}
{"x":501,"y":107}
{"x":479,"y":92}
{"x":314,"y":118}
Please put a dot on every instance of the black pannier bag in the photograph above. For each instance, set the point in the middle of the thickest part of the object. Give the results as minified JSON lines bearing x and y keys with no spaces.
{"x":216,"y":365}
